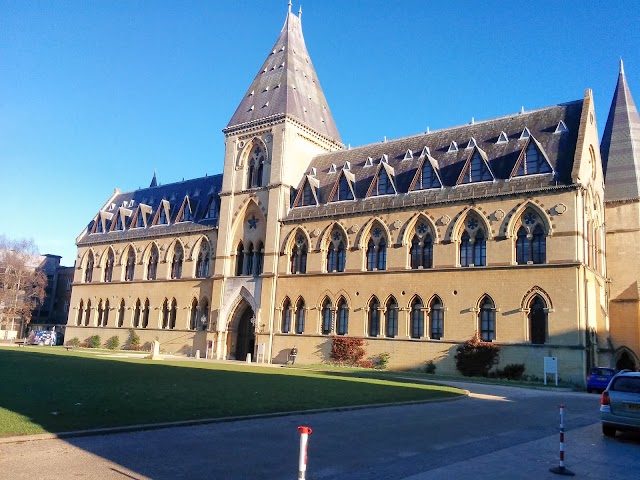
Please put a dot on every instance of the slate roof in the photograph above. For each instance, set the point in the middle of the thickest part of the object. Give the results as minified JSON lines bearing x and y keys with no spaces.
{"x":559,"y":149}
{"x":620,"y":146}
{"x":287,"y":84}
{"x":199,"y":190}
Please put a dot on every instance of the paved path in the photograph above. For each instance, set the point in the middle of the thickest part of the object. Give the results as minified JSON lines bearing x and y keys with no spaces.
{"x":498,"y":432}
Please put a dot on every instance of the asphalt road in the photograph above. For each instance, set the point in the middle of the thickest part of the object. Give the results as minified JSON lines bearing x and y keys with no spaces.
{"x":498,"y":432}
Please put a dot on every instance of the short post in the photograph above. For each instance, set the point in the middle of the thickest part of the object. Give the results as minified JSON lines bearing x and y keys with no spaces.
{"x":302,"y":462}
{"x":561,"y":470}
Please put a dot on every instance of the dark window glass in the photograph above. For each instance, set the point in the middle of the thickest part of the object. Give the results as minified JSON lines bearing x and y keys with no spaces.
{"x":332,"y":261}
{"x":326,"y":318}
{"x":480,"y":249}
{"x":538,"y":321}
{"x":539,"y":245}
{"x":417,"y":320}
{"x":487,"y":321}
{"x":121,"y":312}
{"x":300,"y":312}
{"x":436,"y":317}
{"x":131,"y":265}
{"x":286,"y":317}
{"x":108,"y":267}
{"x":466,"y":252}
{"x":152,"y":267}
{"x":343,"y":317}
{"x":136,"y":315}
{"x":145,"y":314}
{"x":140,"y":219}
{"x":374,"y":318}
{"x":239,"y":259}
{"x":342,"y":257}
{"x":371,"y":255}
{"x":523,"y":247}
{"x":307,"y":195}
{"x":176,"y":263}
{"x":382,"y":255}
{"x":392,"y":319}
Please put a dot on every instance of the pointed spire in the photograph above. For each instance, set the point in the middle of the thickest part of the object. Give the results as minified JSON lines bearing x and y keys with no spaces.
{"x":154,"y":180}
{"x":287,"y":85}
{"x":620,"y":146}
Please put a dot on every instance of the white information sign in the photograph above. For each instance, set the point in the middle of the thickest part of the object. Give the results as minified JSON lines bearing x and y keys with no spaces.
{"x":550,"y":368}
{"x":262,"y":348}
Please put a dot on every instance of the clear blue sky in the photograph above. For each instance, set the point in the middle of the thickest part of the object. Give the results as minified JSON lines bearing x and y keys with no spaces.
{"x":96,"y":94}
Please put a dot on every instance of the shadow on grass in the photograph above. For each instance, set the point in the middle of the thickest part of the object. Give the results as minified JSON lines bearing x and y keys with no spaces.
{"x":56,"y":391}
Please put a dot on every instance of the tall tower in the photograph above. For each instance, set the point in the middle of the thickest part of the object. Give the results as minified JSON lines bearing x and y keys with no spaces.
{"x":281,"y":123}
{"x":620,"y":150}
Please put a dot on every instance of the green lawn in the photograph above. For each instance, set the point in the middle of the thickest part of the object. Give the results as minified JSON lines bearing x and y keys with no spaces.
{"x":51,"y":390}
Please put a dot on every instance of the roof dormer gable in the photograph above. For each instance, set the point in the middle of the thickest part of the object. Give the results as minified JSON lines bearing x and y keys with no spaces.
{"x":476,"y":168}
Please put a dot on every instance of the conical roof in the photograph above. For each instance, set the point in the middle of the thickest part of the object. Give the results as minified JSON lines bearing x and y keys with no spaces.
{"x":287,"y":84}
{"x":620,"y":146}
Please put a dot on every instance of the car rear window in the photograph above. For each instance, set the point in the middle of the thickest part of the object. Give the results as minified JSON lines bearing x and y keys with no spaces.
{"x":601,"y":371}
{"x":626,"y":384}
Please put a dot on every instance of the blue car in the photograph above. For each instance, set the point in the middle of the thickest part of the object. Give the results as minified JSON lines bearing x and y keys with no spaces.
{"x":599,"y":378}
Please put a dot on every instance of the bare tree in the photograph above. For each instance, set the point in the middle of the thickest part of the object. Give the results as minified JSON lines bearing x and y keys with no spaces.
{"x":22,"y":283}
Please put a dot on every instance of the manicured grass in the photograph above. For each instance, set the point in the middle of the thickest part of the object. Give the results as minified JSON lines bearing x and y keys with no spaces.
{"x":51,"y":390}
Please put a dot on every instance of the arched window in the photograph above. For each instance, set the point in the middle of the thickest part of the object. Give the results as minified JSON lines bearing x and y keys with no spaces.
{"x":374,"y":317}
{"x":152,"y":266}
{"x":80,"y":313}
{"x":121,"y":312}
{"x":136,"y":315}
{"x":165,"y":314}
{"x":436,"y":319}
{"x":421,"y":251}
{"x":343,"y":317}
{"x":531,"y":240}
{"x":239,"y":259}
{"x":259,"y":260}
{"x":193,"y":324}
{"x":417,"y":319}
{"x":487,"y":320}
{"x":336,"y":252}
{"x":87,"y":314}
{"x":300,"y":312}
{"x":176,"y":263}
{"x":100,"y":312}
{"x":131,"y":265}
{"x":327,"y":317}
{"x":204,"y":315}
{"x":105,"y":314}
{"x":174,"y":313}
{"x":538,"y":321}
{"x":256,"y":168}
{"x":391,"y":319}
{"x":145,"y":314}
{"x":249,"y":258}
{"x":377,"y":250}
{"x":202,"y":264}
{"x":88,"y":271}
{"x":299,"y":255}
{"x":286,"y":316}
{"x":473,"y":244}
{"x":108,"y":266}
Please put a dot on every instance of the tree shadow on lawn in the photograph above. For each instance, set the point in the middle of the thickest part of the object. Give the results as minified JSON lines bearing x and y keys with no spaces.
{"x":58,"y":391}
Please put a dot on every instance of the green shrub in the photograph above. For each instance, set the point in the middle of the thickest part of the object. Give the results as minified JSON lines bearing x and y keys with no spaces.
{"x":367,"y":364}
{"x":512,"y":371}
{"x":383,"y":361}
{"x":113,"y":343}
{"x":94,"y":341}
{"x":134,"y":340}
{"x":348,"y":350}
{"x":476,"y":357}
{"x":430,"y":367}
{"x":74,"y":342}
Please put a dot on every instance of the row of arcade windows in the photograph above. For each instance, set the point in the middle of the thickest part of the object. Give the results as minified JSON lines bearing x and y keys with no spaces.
{"x":198,"y":315}
{"x":151,"y":267}
{"x":249,"y":259}
{"x":382,"y":321}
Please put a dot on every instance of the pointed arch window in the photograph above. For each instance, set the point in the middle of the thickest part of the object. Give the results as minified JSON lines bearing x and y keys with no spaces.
{"x":176,"y":262}
{"x":376,"y":250}
{"x":538,"y":321}
{"x":121,"y":313}
{"x":286,"y":316}
{"x":105,"y":313}
{"x":202,"y":264}
{"x":531,"y":240}
{"x":152,"y":265}
{"x":87,"y":314}
{"x":256,"y":167}
{"x":88,"y":271}
{"x":131,"y":265}
{"x":327,"y":317}
{"x":374,"y":317}
{"x":421,"y":251}
{"x":145,"y":314}
{"x":436,"y":319}
{"x":487,"y":320}
{"x":391,"y":320}
{"x":417,"y":319}
{"x":173,"y":314}
{"x":343,"y":317}
{"x":136,"y":315}
{"x":298,"y":260}
{"x":336,"y":252}
{"x":239,"y":259}
{"x":300,"y":314}
{"x":108,"y":266}
{"x":194,"y":315}
{"x":473,"y":244}
{"x":79,"y":313}
{"x":165,"y":314}
{"x":204,"y":315}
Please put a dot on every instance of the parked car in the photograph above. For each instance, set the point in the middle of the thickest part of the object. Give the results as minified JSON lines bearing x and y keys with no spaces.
{"x":599,"y":378}
{"x":41,"y":337}
{"x":620,"y":403}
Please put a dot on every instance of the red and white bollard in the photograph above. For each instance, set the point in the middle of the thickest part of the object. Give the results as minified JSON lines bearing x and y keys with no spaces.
{"x":302,"y":463}
{"x":561,"y":470}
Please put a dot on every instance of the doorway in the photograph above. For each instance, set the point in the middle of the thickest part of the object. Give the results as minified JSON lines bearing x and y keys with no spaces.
{"x":246,"y":339}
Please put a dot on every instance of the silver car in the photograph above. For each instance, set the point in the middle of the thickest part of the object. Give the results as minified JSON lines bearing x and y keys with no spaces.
{"x":620,"y":404}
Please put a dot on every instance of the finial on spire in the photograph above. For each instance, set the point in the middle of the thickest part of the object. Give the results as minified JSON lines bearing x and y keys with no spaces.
{"x":621,"y":66}
{"x":289,"y":6}
{"x":300,"y":11}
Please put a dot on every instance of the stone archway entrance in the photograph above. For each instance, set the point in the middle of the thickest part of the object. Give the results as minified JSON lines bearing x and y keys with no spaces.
{"x":246,"y":337}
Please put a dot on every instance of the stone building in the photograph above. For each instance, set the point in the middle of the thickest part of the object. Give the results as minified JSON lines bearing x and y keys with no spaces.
{"x":413,"y":244}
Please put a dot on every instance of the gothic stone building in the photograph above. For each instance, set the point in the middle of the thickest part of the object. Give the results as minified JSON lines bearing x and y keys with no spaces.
{"x":414,"y":244}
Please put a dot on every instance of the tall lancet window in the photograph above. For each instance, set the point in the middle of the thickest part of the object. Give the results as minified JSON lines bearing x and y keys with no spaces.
{"x":256,"y":168}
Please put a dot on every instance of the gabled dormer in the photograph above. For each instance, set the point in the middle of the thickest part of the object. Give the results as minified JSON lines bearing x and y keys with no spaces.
{"x":427,"y":175}
{"x":163,"y":214}
{"x":309,"y":194}
{"x":532,"y":160}
{"x":383,"y":181}
{"x":476,"y":168}
{"x":344,"y":188}
{"x":121,"y":219}
{"x":187,"y":210}
{"x":102,"y":222}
